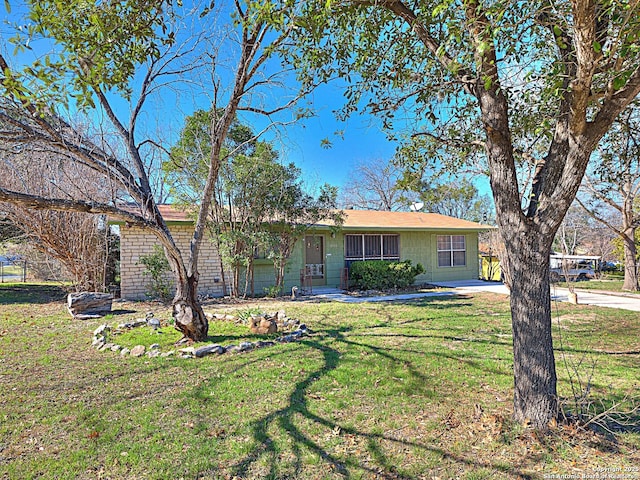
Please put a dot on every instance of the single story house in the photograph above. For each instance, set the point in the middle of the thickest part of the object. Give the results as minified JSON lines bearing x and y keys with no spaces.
{"x":446,"y":247}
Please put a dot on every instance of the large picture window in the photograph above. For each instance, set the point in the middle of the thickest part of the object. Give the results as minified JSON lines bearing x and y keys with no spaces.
{"x":372,"y":247}
{"x":452,"y":251}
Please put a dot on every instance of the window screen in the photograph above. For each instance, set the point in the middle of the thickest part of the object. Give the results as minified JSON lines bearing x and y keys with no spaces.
{"x":372,"y":247}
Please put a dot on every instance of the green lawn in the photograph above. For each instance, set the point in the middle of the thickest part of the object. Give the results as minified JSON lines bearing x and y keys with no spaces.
{"x":610,"y":285}
{"x":392,"y":391}
{"x":608,"y":282}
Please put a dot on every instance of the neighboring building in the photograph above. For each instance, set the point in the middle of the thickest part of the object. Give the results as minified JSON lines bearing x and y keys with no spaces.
{"x":446,"y":247}
{"x":491,"y":268}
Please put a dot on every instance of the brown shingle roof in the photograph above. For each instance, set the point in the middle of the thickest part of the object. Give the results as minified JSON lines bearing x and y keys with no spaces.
{"x":174,"y":214}
{"x":369,"y":220}
{"x":363,"y":219}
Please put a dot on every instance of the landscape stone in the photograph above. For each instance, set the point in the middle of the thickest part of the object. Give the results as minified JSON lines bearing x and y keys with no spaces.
{"x":208,"y":350}
{"x":100,"y":337}
{"x":137,"y":351}
{"x":154,"y":323}
{"x":102,"y":329}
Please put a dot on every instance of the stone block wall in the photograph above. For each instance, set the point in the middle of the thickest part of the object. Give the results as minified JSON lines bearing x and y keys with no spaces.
{"x":136,"y":243}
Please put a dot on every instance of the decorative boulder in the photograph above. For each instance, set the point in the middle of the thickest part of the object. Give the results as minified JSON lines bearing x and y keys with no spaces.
{"x":138,"y":351}
{"x":86,"y":305}
{"x":262,"y":325}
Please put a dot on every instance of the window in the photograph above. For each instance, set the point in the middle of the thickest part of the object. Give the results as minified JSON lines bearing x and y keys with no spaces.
{"x":452,"y":251}
{"x":372,"y":247}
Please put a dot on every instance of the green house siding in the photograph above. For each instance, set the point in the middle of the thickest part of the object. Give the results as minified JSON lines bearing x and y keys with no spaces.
{"x":264,"y":274}
{"x":419,"y":247}
{"x":417,"y":242}
{"x":414,"y":246}
{"x":469,"y":271}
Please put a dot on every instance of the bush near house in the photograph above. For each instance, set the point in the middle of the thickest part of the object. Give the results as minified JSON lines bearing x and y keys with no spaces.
{"x":382,"y":274}
{"x":157,"y":269}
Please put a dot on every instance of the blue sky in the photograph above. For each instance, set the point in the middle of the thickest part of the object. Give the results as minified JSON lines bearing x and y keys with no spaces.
{"x":362,"y":139}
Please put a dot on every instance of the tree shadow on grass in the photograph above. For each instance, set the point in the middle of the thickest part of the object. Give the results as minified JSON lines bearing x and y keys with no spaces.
{"x":13,"y":293}
{"x":122,"y":311}
{"x":266,"y":448}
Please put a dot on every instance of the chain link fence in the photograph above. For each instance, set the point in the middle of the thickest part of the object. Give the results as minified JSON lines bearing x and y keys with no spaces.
{"x":13,"y":269}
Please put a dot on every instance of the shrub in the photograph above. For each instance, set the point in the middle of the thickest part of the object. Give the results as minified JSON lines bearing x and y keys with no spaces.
{"x":381,"y":274}
{"x":273,"y":291}
{"x":157,"y":269}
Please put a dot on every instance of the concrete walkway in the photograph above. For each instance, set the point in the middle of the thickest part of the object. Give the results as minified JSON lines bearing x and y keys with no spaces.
{"x":585,"y":297}
{"x":339,"y":296}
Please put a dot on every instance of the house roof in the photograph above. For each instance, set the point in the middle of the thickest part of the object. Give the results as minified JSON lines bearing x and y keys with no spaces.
{"x":173,"y":214}
{"x":364,"y":220}
{"x":385,"y":220}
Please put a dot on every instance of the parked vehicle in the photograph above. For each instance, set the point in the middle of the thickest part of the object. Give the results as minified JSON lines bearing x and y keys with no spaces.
{"x":573,"y":267}
{"x":609,"y":267}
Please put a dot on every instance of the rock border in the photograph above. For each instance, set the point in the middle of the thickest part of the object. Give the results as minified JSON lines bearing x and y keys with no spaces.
{"x":101,"y":343}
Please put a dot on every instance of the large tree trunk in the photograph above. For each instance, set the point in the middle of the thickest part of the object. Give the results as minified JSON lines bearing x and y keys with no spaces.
{"x":535,"y":396}
{"x":189,"y":317}
{"x":187,"y":311}
{"x":630,"y":268}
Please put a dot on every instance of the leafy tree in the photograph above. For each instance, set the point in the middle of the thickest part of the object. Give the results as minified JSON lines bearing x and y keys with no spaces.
{"x":157,"y":269}
{"x":459,"y":198}
{"x":619,"y":250}
{"x":239,"y":191}
{"x":259,"y":204}
{"x":614,"y":185}
{"x":297,"y":213}
{"x":107,"y":52}
{"x":529,"y":87}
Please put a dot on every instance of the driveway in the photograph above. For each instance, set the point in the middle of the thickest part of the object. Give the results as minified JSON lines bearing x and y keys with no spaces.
{"x":585,"y":297}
